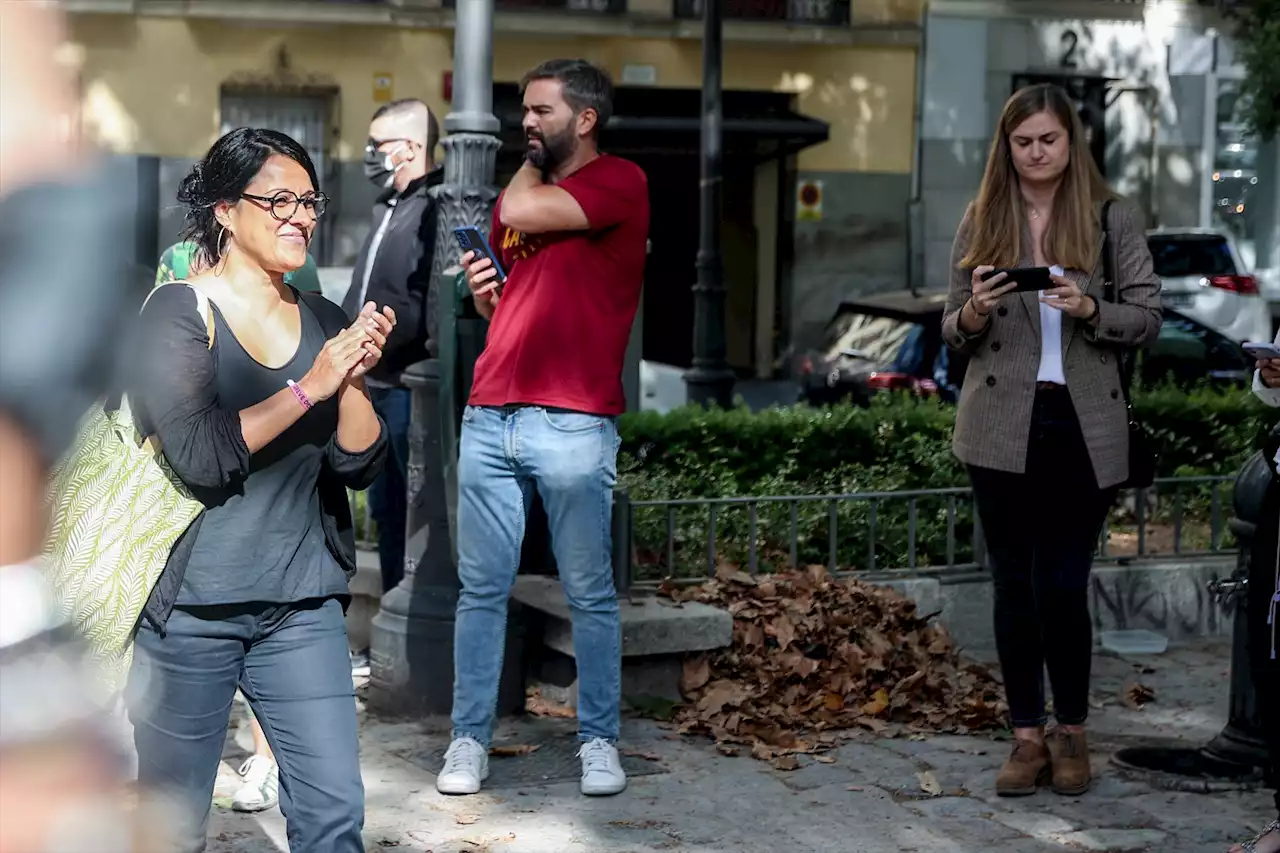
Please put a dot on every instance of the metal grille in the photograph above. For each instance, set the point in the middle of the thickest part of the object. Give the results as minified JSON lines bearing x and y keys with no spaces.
{"x":924,"y":529}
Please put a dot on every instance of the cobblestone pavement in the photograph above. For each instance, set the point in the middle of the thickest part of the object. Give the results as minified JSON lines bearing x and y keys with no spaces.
{"x":869,"y":799}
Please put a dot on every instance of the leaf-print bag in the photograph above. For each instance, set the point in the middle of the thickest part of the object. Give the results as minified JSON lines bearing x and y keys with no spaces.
{"x":117,"y":510}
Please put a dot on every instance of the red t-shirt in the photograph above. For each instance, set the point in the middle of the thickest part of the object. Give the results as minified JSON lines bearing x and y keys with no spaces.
{"x":560,"y":331}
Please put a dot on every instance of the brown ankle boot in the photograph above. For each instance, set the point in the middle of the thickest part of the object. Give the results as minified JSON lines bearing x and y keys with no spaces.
{"x":1026,"y":768}
{"x":1071,"y":773}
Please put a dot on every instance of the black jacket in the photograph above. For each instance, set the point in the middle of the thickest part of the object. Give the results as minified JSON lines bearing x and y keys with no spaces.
{"x":401,"y":275}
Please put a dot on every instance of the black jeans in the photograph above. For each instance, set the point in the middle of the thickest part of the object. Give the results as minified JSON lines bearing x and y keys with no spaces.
{"x":1262,"y":649}
{"x":291,"y":663}
{"x":1042,"y":530}
{"x":388,"y":496}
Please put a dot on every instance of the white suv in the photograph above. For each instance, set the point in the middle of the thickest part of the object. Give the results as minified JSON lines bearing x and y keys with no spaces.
{"x":1203,"y":277}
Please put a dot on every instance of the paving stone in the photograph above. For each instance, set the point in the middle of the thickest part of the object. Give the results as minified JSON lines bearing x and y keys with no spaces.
{"x":1035,"y":824}
{"x":706,"y":802}
{"x":1091,"y":810}
{"x":1114,"y":840}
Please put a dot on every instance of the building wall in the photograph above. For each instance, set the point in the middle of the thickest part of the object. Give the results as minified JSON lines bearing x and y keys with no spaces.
{"x":152,"y":87}
{"x":1155,"y":152}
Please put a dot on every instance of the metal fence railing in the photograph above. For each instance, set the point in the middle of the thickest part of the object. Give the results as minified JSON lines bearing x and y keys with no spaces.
{"x":926,"y":530}
{"x":935,"y":530}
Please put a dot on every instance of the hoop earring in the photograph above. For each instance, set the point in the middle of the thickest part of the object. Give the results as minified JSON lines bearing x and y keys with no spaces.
{"x":221,"y":250}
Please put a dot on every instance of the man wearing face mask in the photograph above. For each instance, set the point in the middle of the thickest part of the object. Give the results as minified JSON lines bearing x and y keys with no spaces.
{"x":394,"y":268}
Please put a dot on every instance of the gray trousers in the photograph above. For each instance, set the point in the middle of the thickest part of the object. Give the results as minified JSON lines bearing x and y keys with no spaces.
{"x":292,"y":664}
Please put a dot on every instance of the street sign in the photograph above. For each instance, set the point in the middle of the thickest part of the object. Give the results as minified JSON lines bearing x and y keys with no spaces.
{"x":809,"y":201}
{"x":384,"y":84}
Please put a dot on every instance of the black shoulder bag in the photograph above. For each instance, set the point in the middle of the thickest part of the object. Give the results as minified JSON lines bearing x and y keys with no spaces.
{"x":1142,"y":456}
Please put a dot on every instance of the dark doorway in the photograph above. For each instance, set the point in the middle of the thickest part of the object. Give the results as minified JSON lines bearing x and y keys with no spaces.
{"x":1089,"y":93}
{"x":660,"y":130}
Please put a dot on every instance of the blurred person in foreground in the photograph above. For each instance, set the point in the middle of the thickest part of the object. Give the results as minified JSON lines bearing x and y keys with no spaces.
{"x":1042,"y":422}
{"x":570,"y":230}
{"x":61,"y":774}
{"x":261,"y":411}
{"x":1264,"y":602}
{"x":394,"y":268}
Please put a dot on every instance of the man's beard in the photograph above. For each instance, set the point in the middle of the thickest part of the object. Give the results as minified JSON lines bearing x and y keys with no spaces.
{"x":553,"y":151}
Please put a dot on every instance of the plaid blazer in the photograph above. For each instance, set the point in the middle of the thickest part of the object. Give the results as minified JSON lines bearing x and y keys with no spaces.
{"x":993,"y":421}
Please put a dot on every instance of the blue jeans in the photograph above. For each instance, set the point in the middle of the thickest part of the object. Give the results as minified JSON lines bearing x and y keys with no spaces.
{"x":291,"y":662}
{"x":571,"y":459}
{"x":388,"y":496}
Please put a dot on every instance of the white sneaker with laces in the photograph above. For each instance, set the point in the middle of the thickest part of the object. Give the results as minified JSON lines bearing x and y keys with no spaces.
{"x":466,"y":766}
{"x":602,"y":773}
{"x":261,"y":788}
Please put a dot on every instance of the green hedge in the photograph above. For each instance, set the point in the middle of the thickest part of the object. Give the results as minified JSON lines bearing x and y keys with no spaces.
{"x":899,"y":443}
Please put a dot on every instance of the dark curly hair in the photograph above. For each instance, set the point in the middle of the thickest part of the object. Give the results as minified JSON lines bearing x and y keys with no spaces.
{"x":224,"y":173}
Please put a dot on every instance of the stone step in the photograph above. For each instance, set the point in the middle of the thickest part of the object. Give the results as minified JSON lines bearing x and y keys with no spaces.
{"x":656,"y":635}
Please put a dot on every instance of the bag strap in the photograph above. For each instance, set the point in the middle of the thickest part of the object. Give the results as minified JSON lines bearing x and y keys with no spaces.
{"x":203,"y":305}
{"x":117,"y":402}
{"x":1109,"y":292}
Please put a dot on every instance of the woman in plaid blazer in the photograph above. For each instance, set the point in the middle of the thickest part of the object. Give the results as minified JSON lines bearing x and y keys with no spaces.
{"x":1042,"y":422}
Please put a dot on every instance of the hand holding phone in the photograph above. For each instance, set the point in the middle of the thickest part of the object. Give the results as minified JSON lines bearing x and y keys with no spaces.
{"x":472,"y":241}
{"x":485,"y":275}
{"x":1026,"y":279}
{"x":1260,"y":351}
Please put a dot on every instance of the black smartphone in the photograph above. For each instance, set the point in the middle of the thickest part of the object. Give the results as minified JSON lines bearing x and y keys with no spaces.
{"x":1027,"y":279}
{"x":471,"y":240}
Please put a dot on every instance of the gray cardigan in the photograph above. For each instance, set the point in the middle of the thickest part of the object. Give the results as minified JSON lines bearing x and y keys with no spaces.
{"x":993,"y":422}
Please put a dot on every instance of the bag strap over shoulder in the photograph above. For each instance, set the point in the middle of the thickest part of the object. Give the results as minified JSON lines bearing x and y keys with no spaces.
{"x":202,"y":305}
{"x":1126,"y":362}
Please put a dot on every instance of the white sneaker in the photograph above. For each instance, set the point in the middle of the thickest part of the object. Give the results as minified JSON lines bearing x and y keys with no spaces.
{"x":466,"y":765}
{"x":261,"y":788}
{"x":602,"y":773}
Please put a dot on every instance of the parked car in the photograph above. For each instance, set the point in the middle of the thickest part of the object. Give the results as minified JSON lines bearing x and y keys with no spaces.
{"x":1204,"y":277}
{"x":894,"y":342}
{"x":887,"y":342}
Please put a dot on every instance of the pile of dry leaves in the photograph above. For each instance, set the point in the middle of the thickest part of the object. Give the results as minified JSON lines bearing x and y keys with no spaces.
{"x":813,"y":655}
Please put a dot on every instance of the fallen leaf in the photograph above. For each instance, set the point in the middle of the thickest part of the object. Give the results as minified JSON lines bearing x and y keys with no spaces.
{"x":854,"y":788}
{"x":514,"y":750}
{"x":929,"y":783}
{"x":465,"y":819}
{"x":540,"y":706}
{"x":824,"y":759}
{"x":635,"y":753}
{"x":696,"y":674}
{"x":1137,"y":694}
{"x":786,"y":762}
{"x":879,"y":702}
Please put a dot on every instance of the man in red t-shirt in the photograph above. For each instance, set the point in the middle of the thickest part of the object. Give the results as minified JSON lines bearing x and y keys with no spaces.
{"x":570,"y":231}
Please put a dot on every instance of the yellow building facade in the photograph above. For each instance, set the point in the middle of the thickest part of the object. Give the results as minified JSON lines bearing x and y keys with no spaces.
{"x":159,"y":86}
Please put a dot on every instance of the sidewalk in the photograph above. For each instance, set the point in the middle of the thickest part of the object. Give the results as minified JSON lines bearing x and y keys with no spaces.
{"x":869,"y":799}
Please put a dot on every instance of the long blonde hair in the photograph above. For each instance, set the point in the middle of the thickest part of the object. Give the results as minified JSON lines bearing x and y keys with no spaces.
{"x":1075,"y":234}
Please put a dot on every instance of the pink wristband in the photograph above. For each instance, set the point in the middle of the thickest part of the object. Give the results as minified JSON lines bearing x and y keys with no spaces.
{"x":301,"y":395}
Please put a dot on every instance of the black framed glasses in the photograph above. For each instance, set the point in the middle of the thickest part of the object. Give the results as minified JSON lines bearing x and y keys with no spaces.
{"x":284,"y":204}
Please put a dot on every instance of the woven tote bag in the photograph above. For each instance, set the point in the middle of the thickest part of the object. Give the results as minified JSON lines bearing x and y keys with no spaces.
{"x":117,"y":510}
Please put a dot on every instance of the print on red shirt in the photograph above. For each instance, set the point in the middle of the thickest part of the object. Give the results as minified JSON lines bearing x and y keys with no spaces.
{"x":559,"y":334}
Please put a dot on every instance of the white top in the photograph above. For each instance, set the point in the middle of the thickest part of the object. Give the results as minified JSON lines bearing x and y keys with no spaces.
{"x":1051,"y":369}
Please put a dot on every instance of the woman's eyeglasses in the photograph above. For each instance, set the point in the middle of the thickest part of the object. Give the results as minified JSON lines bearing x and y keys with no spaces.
{"x":284,"y":204}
